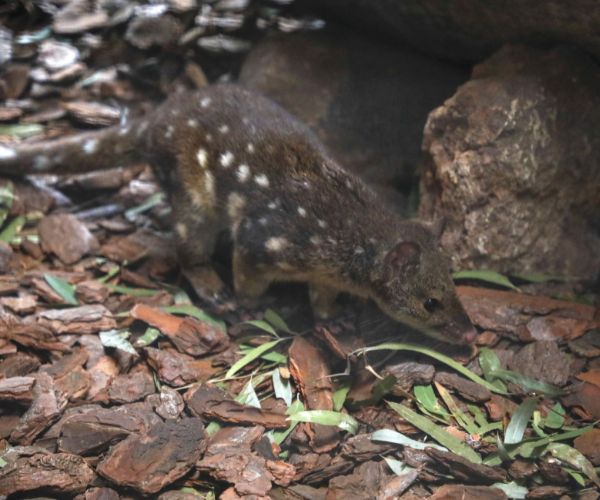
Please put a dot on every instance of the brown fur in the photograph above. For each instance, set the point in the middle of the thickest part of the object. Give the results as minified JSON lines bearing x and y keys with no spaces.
{"x":231,"y":160}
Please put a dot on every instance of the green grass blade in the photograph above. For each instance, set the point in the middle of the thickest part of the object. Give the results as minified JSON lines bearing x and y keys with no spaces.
{"x":491,"y":277}
{"x":440,"y":435}
{"x":398,"y":346}
{"x":515,"y":430}
{"x":326,"y":417}
{"x":62,"y":288}
{"x":390,"y":436}
{"x":250,"y":356}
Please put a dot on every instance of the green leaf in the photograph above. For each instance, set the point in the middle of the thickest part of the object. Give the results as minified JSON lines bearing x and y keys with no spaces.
{"x":275,"y":357}
{"x":486,"y":276}
{"x":530,"y":385}
{"x":326,"y":417}
{"x":397,"y":467}
{"x":390,"y":436}
{"x":194,"y":312}
{"x":248,"y":396}
{"x":489,"y":363}
{"x":280,"y":436}
{"x":62,"y":288}
{"x":112,"y":272}
{"x":7,"y":195}
{"x":339,"y":397}
{"x":250,"y":356}
{"x":574,"y":458}
{"x":212,"y":428}
{"x":555,"y":418}
{"x":262,"y":325}
{"x":440,"y":435}
{"x":515,"y":430}
{"x":2,"y":463}
{"x":462,"y":419}
{"x":512,"y":490}
{"x":147,"y":204}
{"x":21,"y":130}
{"x":149,"y":337}
{"x":118,"y":340}
{"x":397,"y":346}
{"x":426,"y":398}
{"x":276,"y":320}
{"x":12,"y":229}
{"x":134,"y":292}
{"x":282,"y":388}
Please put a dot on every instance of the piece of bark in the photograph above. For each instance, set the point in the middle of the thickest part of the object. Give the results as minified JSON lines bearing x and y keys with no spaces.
{"x":77,"y":320}
{"x":25,"y":303}
{"x":362,"y":448}
{"x":465,"y":470}
{"x":464,"y":492}
{"x":18,"y":365}
{"x":17,"y":389}
{"x":136,"y":246}
{"x":172,"y":367}
{"x":521,"y":469}
{"x":584,"y":399}
{"x":547,"y":492}
{"x":514,"y":313}
{"x":48,"y":404}
{"x":229,"y":457}
{"x":310,"y":370}
{"x":469,"y":390}
{"x":409,"y":373}
{"x":589,"y":444}
{"x":66,"y":237}
{"x":168,"y":404}
{"x":544,"y":361}
{"x":131,"y":387}
{"x":151,"y":461}
{"x":211,"y":402}
{"x":364,"y":482}
{"x":32,"y":469}
{"x":32,"y":335}
{"x":92,"y":292}
{"x":314,"y":468}
{"x":189,"y":335}
{"x":92,"y":432}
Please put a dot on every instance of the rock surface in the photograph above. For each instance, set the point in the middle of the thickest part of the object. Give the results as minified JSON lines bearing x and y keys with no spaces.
{"x":470,"y":29}
{"x":512,"y":164}
{"x":366,"y":100}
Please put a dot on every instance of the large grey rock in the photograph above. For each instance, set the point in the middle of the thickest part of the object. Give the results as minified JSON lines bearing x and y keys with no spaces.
{"x":513,"y":164}
{"x":367,"y":101}
{"x":470,"y":29}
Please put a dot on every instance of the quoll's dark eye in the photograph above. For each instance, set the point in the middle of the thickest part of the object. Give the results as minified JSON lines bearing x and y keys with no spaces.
{"x":431,"y":305}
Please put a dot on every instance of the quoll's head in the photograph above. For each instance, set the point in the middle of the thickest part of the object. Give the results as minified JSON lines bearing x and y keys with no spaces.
{"x":413,"y":285}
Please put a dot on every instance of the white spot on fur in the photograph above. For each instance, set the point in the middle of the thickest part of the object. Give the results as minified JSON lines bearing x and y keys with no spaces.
{"x":89,"y":147}
{"x":250,"y":148}
{"x":197,"y":198}
{"x":169,"y":132}
{"x":263,"y":221}
{"x":301,"y":212}
{"x":276,"y":244}
{"x":272,"y":205}
{"x":243,"y":172}
{"x":192,"y":123}
{"x":262,"y":180}
{"x":124,"y":130}
{"x":235,"y":205}
{"x":209,"y":137}
{"x":181,"y":230}
{"x":41,"y":163}
{"x":202,"y":157}
{"x":359,"y":250}
{"x":224,"y":129}
{"x":226,"y":159}
{"x":315,"y":240}
{"x":209,"y":184}
{"x":142,"y":127}
{"x":7,"y":153}
{"x":306,"y":184}
{"x":205,"y":102}
{"x":332,"y":241}
{"x":322,"y":223}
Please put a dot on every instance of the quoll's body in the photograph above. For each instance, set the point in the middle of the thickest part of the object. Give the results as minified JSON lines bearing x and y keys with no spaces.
{"x":231,"y":160}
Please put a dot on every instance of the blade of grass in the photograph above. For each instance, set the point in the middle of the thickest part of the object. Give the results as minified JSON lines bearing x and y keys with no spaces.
{"x":390,"y":436}
{"x":194,"y":312}
{"x":515,"y":430}
{"x":262,"y":325}
{"x":574,"y":458}
{"x":426,"y":398}
{"x":22,"y":130}
{"x":326,"y":417}
{"x":62,"y":288}
{"x":12,"y":229}
{"x":397,"y":346}
{"x":491,"y":277}
{"x":118,"y":340}
{"x":440,"y":435}
{"x":250,"y":356}
{"x":134,"y":292}
{"x":464,"y":420}
{"x":339,"y":397}
{"x":282,"y":387}
{"x":277,"y":321}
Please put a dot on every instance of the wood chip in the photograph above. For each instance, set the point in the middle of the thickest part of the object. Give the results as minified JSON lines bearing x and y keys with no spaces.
{"x":66,"y":237}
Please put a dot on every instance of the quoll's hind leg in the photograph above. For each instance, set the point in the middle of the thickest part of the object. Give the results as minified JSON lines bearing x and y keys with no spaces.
{"x":322,"y":299}
{"x":196,"y":235}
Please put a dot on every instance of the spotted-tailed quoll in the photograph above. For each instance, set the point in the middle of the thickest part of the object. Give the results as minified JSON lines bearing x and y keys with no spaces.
{"x":232,"y":160}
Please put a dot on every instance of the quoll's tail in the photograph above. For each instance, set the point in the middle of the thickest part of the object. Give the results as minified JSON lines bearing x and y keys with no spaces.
{"x":79,"y":153}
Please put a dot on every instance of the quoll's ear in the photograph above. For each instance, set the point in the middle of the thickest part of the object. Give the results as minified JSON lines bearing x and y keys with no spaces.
{"x":404,"y":254}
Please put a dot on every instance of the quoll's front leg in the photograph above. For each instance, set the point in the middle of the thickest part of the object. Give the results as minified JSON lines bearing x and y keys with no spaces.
{"x":323,"y":301}
{"x":249,"y":281}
